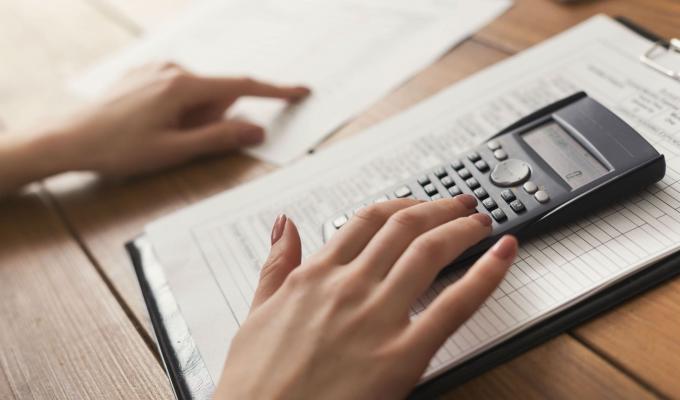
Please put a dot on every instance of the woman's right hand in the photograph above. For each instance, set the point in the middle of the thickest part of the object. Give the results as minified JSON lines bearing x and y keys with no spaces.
{"x":337,"y":325}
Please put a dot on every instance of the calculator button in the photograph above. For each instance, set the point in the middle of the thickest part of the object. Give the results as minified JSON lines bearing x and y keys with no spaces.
{"x":493,"y":145}
{"x":530,"y":187}
{"x":507,"y":195}
{"x":498,"y":215}
{"x":482,"y":165}
{"x":473,"y":156}
{"x":456,"y":164}
{"x":489,"y":203}
{"x":402,"y":192}
{"x":500,"y":154}
{"x":436,"y":196}
{"x":481,"y":193}
{"x":542,"y":196}
{"x":464,"y":173}
{"x":440,"y":172}
{"x":447,"y":182}
{"x":381,"y":199}
{"x":472,"y":183}
{"x":423,"y":180}
{"x":510,"y":172}
{"x":517,"y":206}
{"x":340,"y":221}
{"x":430,"y":189}
{"x":454,"y":191}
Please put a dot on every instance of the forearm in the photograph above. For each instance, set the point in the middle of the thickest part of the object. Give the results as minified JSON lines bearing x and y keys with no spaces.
{"x":28,"y":158}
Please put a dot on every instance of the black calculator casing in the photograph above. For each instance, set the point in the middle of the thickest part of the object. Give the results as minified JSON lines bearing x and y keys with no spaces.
{"x":631,"y":163}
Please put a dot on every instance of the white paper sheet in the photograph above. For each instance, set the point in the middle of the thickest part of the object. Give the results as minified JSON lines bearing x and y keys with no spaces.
{"x":350,"y":52}
{"x":212,"y":251}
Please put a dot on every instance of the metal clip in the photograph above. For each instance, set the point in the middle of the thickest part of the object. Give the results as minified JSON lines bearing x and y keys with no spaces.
{"x":650,"y":56}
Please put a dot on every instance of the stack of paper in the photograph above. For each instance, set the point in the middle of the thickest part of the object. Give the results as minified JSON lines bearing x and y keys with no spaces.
{"x":350,"y":52}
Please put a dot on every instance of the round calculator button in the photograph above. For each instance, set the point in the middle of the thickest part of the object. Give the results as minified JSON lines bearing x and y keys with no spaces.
{"x":542,"y":196}
{"x":530,"y":187}
{"x":510,"y":173}
{"x":493,"y":145}
{"x":500,"y":154}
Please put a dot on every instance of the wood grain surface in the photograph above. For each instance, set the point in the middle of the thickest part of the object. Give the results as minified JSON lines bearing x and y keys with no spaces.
{"x":64,"y":335}
{"x":631,"y":352}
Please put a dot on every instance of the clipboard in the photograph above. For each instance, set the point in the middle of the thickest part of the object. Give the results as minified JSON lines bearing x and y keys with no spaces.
{"x":189,"y":376}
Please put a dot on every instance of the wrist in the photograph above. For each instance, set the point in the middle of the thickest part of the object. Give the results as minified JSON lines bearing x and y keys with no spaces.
{"x":27,"y":158}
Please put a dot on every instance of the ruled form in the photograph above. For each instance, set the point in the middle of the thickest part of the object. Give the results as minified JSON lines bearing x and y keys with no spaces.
{"x":212,"y":252}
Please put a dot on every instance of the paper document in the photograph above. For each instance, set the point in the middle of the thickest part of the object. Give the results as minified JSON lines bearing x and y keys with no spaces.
{"x":212,"y":251}
{"x":350,"y":52}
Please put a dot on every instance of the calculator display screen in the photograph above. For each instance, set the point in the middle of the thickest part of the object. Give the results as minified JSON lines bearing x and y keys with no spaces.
{"x":570,"y":160}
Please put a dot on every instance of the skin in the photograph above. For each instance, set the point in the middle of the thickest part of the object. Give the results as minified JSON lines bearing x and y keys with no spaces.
{"x":336,"y":324}
{"x":156,"y":117}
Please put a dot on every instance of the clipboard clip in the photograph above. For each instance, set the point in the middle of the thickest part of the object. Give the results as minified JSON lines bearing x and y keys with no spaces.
{"x":659,"y":48}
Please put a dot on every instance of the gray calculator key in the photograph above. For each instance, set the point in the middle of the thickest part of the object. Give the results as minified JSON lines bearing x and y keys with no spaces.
{"x":500,"y":154}
{"x":473,"y":156}
{"x":498,"y":215}
{"x":454,"y":191}
{"x":510,"y":173}
{"x":464,"y":173}
{"x":507,"y":195}
{"x":440,"y":172}
{"x":381,"y":199}
{"x":481,"y":193}
{"x":493,"y":145}
{"x":530,"y":187}
{"x":472,"y":183}
{"x":423,"y":180}
{"x":447,"y":181}
{"x":489,"y":203}
{"x":517,"y":206}
{"x":430,"y":189}
{"x":456,"y":164}
{"x":542,"y":196}
{"x":340,"y":221}
{"x":482,"y":165}
{"x":402,"y":192}
{"x":436,"y":196}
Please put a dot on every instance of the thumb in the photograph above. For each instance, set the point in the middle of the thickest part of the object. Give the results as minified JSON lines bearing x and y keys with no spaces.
{"x":284,"y":256}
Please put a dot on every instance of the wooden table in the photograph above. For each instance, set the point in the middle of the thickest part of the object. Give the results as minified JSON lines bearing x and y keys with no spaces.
{"x":73,"y":322}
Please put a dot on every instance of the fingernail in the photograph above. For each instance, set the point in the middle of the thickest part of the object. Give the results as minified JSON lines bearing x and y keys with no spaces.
{"x":482,"y":219}
{"x":279,"y":226}
{"x":505,"y":248}
{"x":251,"y":136}
{"x":468,"y":201}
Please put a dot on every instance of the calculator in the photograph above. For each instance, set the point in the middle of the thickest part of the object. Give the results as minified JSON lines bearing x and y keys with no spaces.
{"x":546,"y":169}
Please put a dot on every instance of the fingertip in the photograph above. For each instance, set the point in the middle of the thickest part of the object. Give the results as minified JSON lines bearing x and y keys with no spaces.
{"x":483,"y":219}
{"x":251,"y":136}
{"x":468,"y":200}
{"x":505,"y":248}
{"x":298,"y":93}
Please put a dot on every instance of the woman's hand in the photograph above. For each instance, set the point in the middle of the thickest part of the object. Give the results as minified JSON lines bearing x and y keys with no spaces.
{"x":162,"y":115}
{"x":338,"y":325}
{"x":158,"y":116}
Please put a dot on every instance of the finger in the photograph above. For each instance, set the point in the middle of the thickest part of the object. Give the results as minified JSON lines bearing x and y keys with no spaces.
{"x":202,"y":89}
{"x":215,"y":138}
{"x":348,"y":242}
{"x":404,"y":226}
{"x":428,"y":254}
{"x":284,"y":256}
{"x":458,"y":302}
